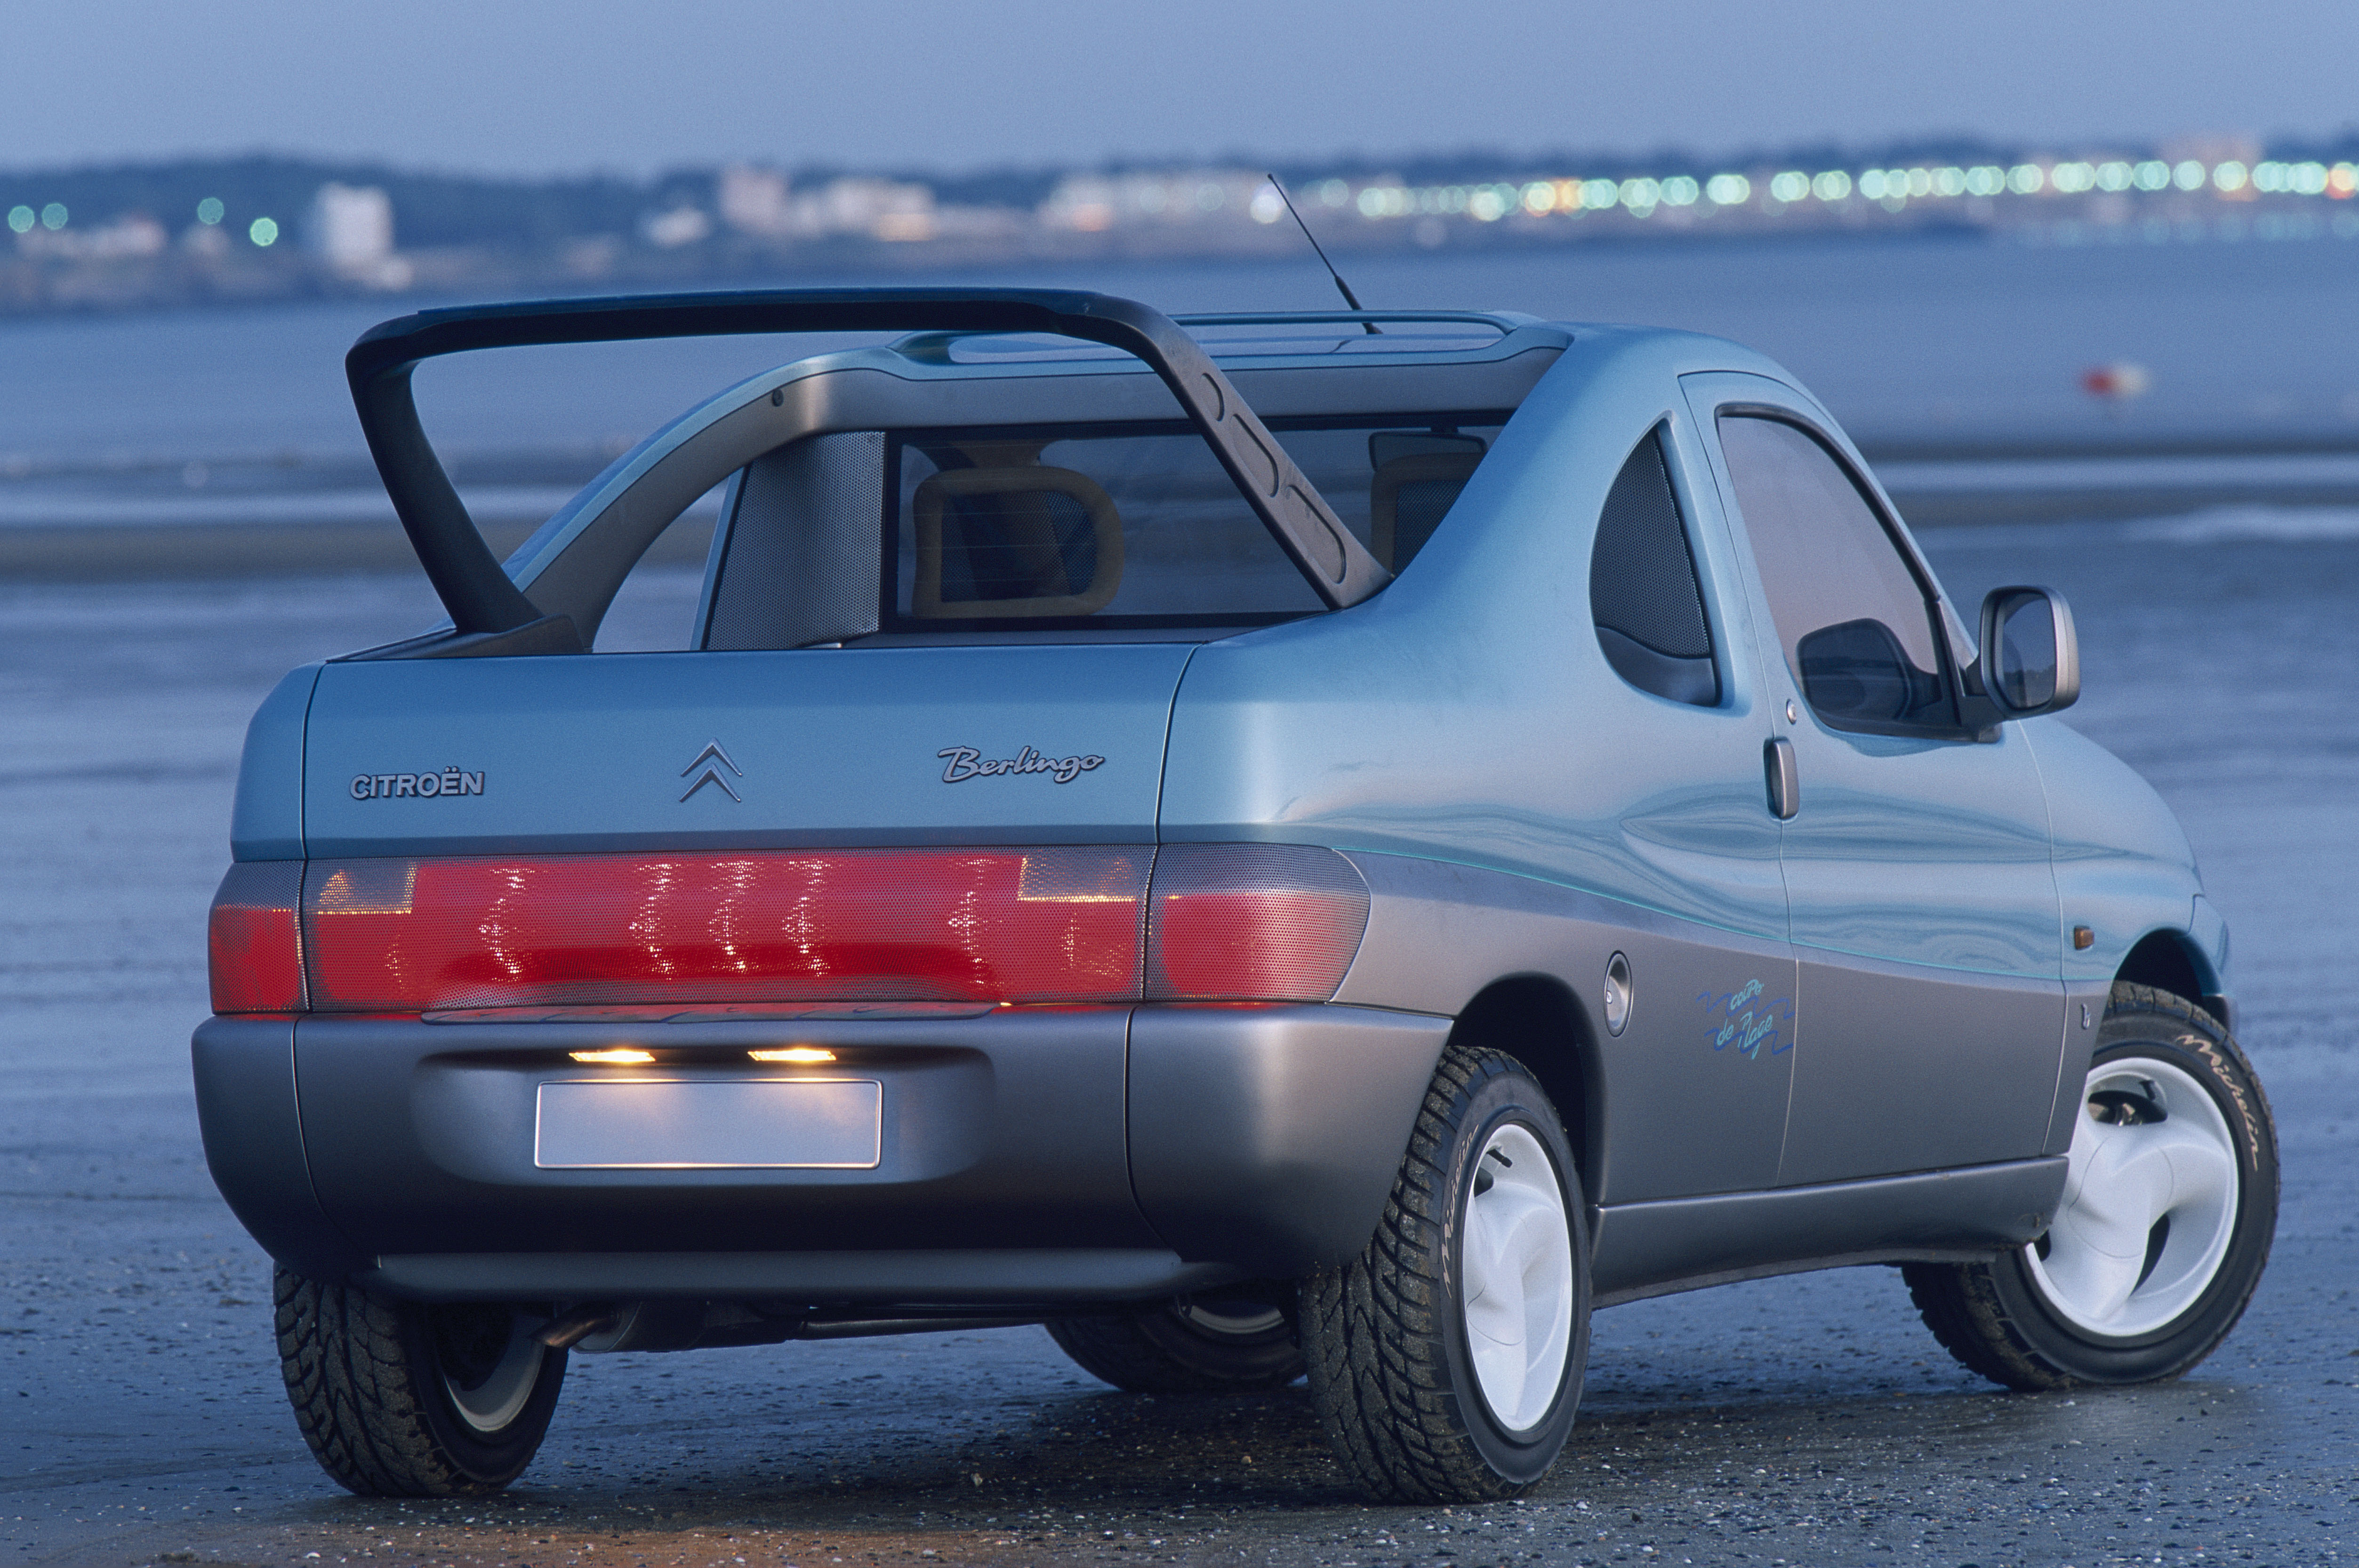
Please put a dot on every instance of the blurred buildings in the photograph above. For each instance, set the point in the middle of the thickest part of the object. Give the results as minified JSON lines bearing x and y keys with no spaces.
{"x":98,"y":238}
{"x":350,"y":229}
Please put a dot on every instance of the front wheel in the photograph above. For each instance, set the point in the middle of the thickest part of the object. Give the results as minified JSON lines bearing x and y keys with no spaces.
{"x":2169,"y":1210}
{"x":1446,"y":1359}
{"x":406,"y":1399}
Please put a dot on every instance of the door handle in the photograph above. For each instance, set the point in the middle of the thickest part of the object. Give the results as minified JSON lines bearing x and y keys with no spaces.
{"x":1785,"y":784}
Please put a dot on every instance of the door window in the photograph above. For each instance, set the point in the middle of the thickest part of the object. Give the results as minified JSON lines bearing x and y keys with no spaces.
{"x":1858,"y":628}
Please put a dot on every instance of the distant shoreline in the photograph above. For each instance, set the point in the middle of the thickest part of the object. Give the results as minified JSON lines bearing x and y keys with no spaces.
{"x":246,"y":229}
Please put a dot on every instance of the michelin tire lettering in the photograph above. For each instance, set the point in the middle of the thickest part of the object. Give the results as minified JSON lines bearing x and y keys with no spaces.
{"x":418,"y":786}
{"x":966,"y":762}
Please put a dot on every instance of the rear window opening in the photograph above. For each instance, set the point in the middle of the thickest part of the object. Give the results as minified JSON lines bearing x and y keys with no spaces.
{"x":1054,"y":532}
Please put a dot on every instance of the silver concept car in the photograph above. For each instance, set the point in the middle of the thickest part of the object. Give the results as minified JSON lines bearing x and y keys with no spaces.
{"x":1271,"y":844}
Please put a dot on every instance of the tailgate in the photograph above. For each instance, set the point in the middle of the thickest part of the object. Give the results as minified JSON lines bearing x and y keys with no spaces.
{"x":883,"y":746}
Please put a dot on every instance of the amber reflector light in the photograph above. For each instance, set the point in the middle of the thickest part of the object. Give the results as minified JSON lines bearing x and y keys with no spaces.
{"x":252,"y":948}
{"x":999,"y":924}
{"x":1252,"y":923}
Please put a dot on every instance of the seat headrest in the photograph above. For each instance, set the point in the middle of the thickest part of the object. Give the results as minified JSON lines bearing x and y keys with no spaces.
{"x":1014,"y":542}
{"x":1408,"y":497}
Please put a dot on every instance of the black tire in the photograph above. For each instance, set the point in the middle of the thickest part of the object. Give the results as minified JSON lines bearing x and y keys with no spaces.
{"x":1217,"y":1343}
{"x":2004,"y":1320}
{"x":382,"y":1389}
{"x":1393,"y":1375}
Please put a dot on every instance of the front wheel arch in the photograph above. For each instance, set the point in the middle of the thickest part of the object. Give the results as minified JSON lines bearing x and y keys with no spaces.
{"x":2167,"y":960}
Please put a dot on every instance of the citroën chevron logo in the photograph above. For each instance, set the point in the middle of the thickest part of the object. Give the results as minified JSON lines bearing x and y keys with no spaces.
{"x":713,"y":759}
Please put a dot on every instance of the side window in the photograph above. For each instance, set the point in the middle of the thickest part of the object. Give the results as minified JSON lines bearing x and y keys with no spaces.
{"x":1643,"y":590}
{"x":1857,"y":627}
{"x":655,"y":609}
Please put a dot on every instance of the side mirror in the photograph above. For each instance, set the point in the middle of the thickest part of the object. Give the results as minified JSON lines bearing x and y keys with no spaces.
{"x":1857,"y":670}
{"x":2031,"y":659}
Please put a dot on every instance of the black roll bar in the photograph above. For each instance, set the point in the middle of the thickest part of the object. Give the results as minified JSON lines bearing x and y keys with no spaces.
{"x":483,"y":601}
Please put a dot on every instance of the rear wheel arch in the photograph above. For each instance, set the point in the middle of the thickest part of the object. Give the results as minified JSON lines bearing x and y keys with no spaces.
{"x":1536,"y":1020}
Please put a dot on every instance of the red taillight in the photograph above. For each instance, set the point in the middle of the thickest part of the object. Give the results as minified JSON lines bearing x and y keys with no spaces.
{"x":1031,"y":924}
{"x":1252,"y":923}
{"x":254,"y":948}
{"x":1226,"y":921}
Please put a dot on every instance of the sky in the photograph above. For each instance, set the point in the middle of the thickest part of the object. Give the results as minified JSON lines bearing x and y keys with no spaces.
{"x":538,"y":87}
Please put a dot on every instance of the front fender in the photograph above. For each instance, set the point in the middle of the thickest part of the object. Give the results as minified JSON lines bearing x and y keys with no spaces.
{"x":2123,"y":868}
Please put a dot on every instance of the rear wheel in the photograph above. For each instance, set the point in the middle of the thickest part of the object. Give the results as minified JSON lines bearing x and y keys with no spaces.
{"x":406,"y":1399}
{"x":1446,"y":1360}
{"x":1212,"y":1343}
{"x":2165,"y":1225}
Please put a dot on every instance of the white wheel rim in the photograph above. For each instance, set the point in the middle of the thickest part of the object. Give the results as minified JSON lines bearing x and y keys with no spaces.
{"x":2111,"y":1268}
{"x":491,"y":1404}
{"x":1516,"y":1278}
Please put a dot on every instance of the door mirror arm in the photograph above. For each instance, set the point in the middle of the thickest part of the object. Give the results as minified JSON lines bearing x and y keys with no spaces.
{"x":1977,"y":714}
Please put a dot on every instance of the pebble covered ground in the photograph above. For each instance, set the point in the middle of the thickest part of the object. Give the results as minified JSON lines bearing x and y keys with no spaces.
{"x":1806,"y":1420}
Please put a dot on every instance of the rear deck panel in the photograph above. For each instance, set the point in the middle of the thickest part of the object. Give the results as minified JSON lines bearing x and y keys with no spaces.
{"x":963,"y":745}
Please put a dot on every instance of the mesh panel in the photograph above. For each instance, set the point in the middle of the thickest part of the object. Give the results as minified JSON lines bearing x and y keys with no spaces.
{"x":1642,"y":578}
{"x":843,"y":926}
{"x":1417,"y":510}
{"x":1252,"y":922}
{"x":802,"y":556}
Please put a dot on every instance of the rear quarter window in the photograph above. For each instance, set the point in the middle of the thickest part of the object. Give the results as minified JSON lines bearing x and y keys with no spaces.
{"x":1646,"y":598}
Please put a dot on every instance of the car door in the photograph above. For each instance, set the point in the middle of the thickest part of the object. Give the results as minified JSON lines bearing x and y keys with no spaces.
{"x":1918,"y":875}
{"x":1702,"y":1070}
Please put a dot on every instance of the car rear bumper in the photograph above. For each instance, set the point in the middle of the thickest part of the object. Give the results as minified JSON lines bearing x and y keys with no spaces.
{"x":1023,"y":1156}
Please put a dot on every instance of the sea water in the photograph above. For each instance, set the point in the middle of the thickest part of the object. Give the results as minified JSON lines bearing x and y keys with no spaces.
{"x":222,"y":415}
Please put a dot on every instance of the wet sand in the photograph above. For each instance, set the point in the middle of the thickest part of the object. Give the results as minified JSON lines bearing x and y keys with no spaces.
{"x":244,"y":551}
{"x":1807,"y":1419}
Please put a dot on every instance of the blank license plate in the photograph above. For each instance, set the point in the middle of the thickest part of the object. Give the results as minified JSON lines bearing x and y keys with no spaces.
{"x":625,"y":1124}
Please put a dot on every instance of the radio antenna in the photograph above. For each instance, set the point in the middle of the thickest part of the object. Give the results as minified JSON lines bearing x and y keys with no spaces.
{"x":1341,"y":286}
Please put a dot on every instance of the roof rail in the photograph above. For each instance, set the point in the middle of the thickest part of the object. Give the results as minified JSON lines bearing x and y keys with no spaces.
{"x":1504,"y":322}
{"x":487,"y":606}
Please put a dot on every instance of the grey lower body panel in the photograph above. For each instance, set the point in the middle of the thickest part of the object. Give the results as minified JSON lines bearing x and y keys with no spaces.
{"x":2084,"y":1000}
{"x":253,"y":1130}
{"x":1653,"y":1248}
{"x":1901,"y":1068}
{"x":1271,"y":1138}
{"x":1026,"y":1155}
{"x":1692,"y":1096}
